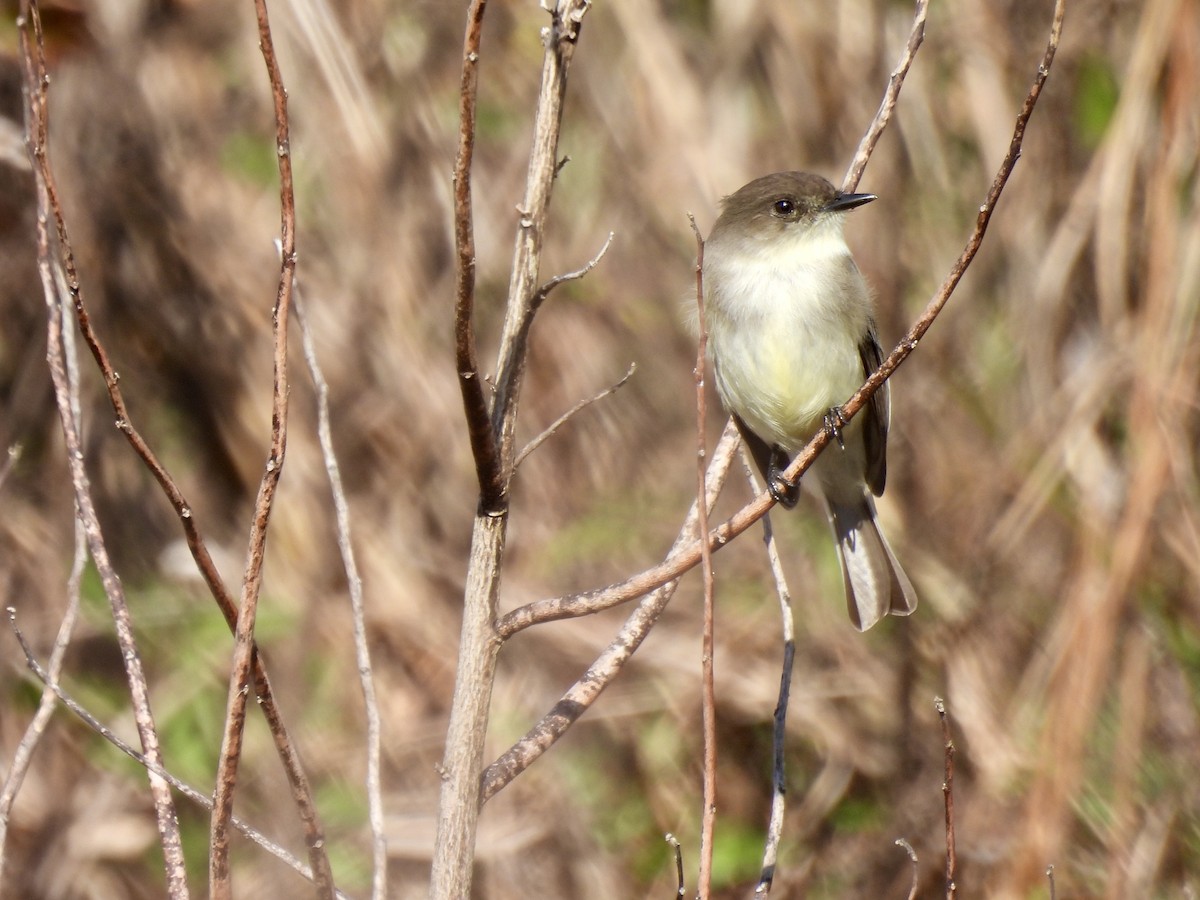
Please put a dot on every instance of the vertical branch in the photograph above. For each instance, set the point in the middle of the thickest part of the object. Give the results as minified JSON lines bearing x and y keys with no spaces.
{"x":708,"y":705}
{"x":479,"y":642}
{"x":779,"y":735}
{"x":36,"y":83}
{"x":948,"y":793}
{"x":358,"y":614}
{"x":220,"y":886}
{"x":479,"y":428}
{"x":559,"y":38}
{"x":301,"y":791}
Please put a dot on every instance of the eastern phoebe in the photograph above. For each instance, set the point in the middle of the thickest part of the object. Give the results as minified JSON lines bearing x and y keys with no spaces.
{"x":792,"y":336}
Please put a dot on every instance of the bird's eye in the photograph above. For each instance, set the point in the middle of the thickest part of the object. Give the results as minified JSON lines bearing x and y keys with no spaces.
{"x":784,"y":207}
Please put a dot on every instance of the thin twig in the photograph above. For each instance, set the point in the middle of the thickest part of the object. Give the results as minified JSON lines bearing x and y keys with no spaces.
{"x":588,"y":602}
{"x":867,"y":145}
{"x":708,"y":698}
{"x":681,"y":886}
{"x":948,"y":793}
{"x":916,"y":867}
{"x":475,"y":405}
{"x":240,"y":679}
{"x":51,"y":685}
{"x":24,"y":753}
{"x":583,"y":693}
{"x":779,"y":735}
{"x":553,"y":427}
{"x":362,"y":652}
{"x":36,"y":83}
{"x":1050,"y":878}
{"x":544,"y":291}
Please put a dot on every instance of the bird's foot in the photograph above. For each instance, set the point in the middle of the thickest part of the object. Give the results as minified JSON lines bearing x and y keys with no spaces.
{"x":783,"y":490}
{"x":835,"y":422}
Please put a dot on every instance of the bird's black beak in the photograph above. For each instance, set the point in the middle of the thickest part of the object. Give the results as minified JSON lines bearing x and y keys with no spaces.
{"x":842,"y":202}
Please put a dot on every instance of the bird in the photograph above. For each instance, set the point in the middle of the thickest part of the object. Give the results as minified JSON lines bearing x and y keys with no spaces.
{"x":792,"y":336}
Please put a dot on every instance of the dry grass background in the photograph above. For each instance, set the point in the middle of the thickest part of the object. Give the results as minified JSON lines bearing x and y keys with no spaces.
{"x":1044,"y":465}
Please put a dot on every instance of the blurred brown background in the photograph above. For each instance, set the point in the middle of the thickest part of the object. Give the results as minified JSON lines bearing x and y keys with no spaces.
{"x":1043,"y":490}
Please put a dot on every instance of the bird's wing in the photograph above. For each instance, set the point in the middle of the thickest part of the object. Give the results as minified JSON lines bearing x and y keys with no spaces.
{"x":876,"y":415}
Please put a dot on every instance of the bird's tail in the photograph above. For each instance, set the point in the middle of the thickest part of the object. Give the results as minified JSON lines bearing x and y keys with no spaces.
{"x":875,"y":583}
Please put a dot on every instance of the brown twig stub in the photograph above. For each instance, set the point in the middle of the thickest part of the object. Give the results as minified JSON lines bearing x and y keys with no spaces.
{"x":241,"y":679}
{"x":36,"y":83}
{"x":677,"y":850}
{"x":948,"y":796}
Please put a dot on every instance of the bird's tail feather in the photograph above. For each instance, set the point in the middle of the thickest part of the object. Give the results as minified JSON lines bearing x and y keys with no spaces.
{"x":875,"y":584}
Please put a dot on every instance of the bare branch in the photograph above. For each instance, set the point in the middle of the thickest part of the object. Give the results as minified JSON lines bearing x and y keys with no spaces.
{"x":583,"y":693}
{"x":545,"y":289}
{"x":677,"y":563}
{"x":265,"y":696}
{"x":240,"y":679}
{"x":779,"y":735}
{"x":867,"y":145}
{"x":196,"y":544}
{"x":47,"y":677}
{"x":24,"y":754}
{"x":362,"y":652}
{"x":708,"y":698}
{"x":36,"y":82}
{"x":681,"y":889}
{"x":475,"y":406}
{"x":561,"y":420}
{"x":560,"y":38}
{"x":948,"y":794}
{"x":916,"y":867}
{"x":479,"y":645}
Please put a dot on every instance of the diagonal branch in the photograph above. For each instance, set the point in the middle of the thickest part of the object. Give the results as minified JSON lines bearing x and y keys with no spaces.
{"x":581,"y":695}
{"x":24,"y":754}
{"x":896,"y":81}
{"x":553,"y":427}
{"x":36,"y":83}
{"x":220,"y":886}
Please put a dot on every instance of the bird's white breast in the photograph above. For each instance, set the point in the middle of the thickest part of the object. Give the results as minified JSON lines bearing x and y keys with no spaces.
{"x":786,"y":319}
